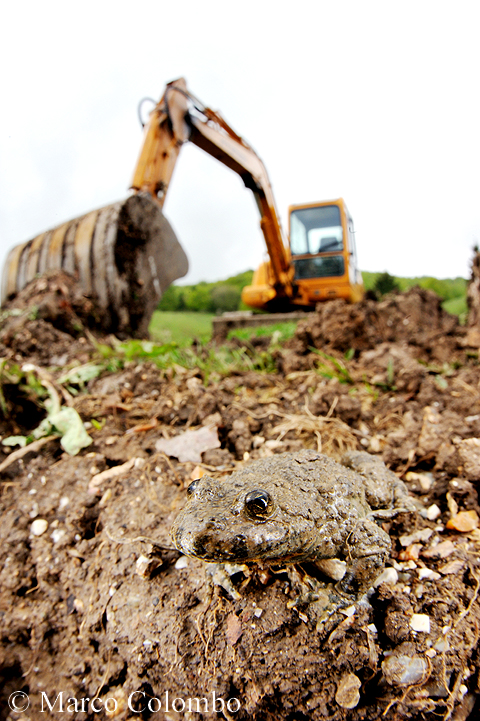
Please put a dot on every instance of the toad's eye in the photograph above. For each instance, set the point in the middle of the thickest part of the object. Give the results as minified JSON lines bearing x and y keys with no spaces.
{"x":258,"y":505}
{"x":193,"y":487}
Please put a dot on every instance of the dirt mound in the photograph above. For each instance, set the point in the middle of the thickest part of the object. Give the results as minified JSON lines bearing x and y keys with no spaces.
{"x":96,"y":603}
{"x":415,"y":317}
{"x":56,"y":298}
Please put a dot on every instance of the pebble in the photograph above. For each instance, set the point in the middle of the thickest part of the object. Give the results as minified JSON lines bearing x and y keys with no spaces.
{"x":348,"y":694}
{"x":403,"y":670}
{"x":64,"y":501}
{"x":464,"y":521}
{"x":57,"y":535}
{"x":38,"y":527}
{"x":332,"y":567}
{"x":388,"y":575}
{"x":451,"y":567}
{"x":433,"y":512}
{"x":182,"y":562}
{"x":143,"y":566}
{"x":420,"y":622}
{"x":426,"y":480}
{"x":428,"y":573}
{"x":441,"y":550}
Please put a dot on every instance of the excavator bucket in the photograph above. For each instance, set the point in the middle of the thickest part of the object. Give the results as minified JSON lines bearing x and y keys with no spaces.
{"x":124,"y":256}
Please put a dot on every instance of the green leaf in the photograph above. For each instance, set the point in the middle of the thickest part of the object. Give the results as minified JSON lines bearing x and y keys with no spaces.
{"x":69,"y":424}
{"x":15,"y":441}
{"x":81,"y":374}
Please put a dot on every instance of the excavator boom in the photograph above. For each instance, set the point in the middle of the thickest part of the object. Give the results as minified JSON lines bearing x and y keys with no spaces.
{"x":179,"y":117}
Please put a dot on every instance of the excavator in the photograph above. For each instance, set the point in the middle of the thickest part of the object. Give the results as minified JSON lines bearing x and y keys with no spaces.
{"x":125,"y":255}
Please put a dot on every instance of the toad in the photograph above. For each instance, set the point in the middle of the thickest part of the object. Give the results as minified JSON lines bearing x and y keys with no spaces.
{"x":293,"y":508}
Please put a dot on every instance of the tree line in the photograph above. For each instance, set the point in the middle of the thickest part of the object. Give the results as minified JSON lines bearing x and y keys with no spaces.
{"x":225,"y":295}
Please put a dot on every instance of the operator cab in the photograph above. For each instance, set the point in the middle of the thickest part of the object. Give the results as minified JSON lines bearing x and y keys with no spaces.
{"x":322,"y":244}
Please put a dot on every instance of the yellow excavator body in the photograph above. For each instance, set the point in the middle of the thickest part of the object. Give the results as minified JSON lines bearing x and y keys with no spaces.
{"x":322,"y":257}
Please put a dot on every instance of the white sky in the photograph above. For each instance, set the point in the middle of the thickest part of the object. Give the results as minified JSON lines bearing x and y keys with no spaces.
{"x":376,"y":101}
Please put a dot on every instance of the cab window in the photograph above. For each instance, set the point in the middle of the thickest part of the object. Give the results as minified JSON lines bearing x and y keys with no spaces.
{"x":316,"y":230}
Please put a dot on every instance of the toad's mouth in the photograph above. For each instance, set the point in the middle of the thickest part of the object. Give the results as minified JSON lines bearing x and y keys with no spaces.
{"x":270,"y":545}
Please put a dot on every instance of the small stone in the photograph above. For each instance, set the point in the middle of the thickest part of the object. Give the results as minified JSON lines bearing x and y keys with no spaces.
{"x":452,"y":567}
{"x":64,"y":501}
{"x":332,"y":567}
{"x":411,"y":553}
{"x":426,"y":480}
{"x":57,"y":535}
{"x":145,"y":566}
{"x":464,"y":521}
{"x":388,"y":575}
{"x":182,"y":562}
{"x":433,"y":512}
{"x":403,"y":670}
{"x":78,"y":605}
{"x":38,"y":527}
{"x":428,"y":573}
{"x":348,"y":694}
{"x":258,"y":612}
{"x":198,"y":472}
{"x":105,"y":498}
{"x":441,"y":550}
{"x":234,"y":629}
{"x":420,"y":622}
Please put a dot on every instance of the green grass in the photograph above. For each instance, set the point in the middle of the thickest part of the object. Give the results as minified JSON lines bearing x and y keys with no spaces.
{"x":457,"y":306}
{"x":283,"y":331}
{"x":180,"y":327}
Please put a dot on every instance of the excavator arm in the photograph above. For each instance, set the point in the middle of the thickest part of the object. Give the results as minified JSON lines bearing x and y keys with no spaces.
{"x":179,"y":117}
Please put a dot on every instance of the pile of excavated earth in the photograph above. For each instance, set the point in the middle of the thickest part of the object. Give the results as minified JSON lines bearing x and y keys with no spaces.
{"x":95,"y":602}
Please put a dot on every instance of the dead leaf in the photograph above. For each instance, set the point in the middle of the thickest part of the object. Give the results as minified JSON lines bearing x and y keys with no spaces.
{"x":464,"y":521}
{"x":190,"y":445}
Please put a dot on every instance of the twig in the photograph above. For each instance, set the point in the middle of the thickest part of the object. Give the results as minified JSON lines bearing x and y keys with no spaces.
{"x":30,"y":448}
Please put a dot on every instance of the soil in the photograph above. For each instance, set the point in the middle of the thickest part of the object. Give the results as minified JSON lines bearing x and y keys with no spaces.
{"x":100,"y":606}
